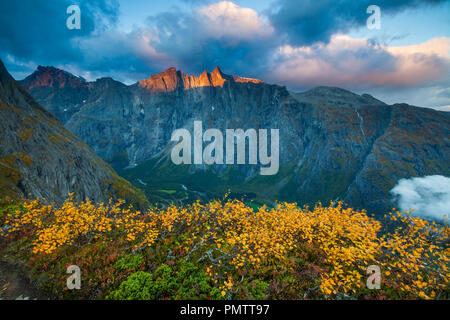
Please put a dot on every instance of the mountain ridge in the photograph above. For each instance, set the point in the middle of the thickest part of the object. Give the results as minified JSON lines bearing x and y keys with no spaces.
{"x":334,"y":144}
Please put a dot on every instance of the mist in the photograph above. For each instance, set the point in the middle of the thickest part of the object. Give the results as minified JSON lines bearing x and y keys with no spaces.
{"x":429,"y":196}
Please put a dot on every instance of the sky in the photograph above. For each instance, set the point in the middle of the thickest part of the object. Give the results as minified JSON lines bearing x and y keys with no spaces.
{"x":299,"y":44}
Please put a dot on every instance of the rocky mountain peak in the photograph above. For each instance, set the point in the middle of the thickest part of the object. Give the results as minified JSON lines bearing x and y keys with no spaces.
{"x":165,"y":81}
{"x":52,"y":77}
{"x":171,"y":79}
{"x":218,"y":77}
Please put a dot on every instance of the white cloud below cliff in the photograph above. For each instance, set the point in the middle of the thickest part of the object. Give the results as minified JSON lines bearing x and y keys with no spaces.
{"x":429,"y":196}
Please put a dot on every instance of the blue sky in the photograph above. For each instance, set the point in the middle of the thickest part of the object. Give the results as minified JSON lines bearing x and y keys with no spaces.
{"x":300,"y":44}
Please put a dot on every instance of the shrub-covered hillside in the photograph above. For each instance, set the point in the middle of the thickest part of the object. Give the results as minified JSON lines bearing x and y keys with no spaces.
{"x":224,"y":250}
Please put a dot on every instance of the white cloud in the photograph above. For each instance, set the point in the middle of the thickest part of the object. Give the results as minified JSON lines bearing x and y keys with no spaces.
{"x":226,"y":19}
{"x":429,"y":196}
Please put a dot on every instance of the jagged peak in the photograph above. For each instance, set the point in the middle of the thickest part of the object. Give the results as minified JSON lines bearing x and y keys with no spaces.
{"x":171,"y":79}
{"x":217,"y":70}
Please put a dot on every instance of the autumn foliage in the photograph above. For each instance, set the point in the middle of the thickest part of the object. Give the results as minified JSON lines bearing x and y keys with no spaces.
{"x":234,"y":251}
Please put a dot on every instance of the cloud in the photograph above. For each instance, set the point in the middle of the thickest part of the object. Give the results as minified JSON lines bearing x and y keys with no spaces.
{"x":33,"y":33}
{"x":37,"y":29}
{"x":222,"y":34}
{"x":349,"y":62}
{"x":115,"y":51}
{"x":295,"y":44}
{"x":227,"y":20}
{"x":317,"y":21}
{"x":429,"y":196}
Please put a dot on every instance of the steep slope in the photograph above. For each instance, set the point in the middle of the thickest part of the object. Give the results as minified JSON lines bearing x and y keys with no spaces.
{"x":40,"y":158}
{"x":334,"y":144}
{"x":415,"y":143}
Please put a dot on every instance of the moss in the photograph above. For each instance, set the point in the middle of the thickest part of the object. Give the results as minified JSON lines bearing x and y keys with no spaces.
{"x":11,"y":175}
{"x":11,"y":160}
{"x":9,"y":178}
{"x":129,"y":262}
{"x":57,"y":139}
{"x":26,"y":159}
{"x":25,"y":133}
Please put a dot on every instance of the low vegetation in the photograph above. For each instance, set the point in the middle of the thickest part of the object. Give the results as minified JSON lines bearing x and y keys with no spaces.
{"x":225,"y":249}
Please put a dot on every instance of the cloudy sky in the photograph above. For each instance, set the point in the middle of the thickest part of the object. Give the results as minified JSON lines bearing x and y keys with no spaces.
{"x":300,"y":44}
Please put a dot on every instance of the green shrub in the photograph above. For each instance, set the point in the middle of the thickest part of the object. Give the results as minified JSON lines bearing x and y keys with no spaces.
{"x":258,"y":289}
{"x":194,"y":283}
{"x":129,"y":262}
{"x":185,"y":281}
{"x":136,"y":287}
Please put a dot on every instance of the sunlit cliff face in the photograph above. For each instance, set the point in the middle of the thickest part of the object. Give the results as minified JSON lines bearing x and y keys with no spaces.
{"x":171,"y":79}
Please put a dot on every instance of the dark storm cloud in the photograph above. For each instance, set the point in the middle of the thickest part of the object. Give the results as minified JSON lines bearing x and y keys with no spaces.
{"x":36,"y":30}
{"x":310,"y":21}
{"x":237,"y":39}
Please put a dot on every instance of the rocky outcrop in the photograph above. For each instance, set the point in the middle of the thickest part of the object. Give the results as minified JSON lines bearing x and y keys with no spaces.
{"x":334,"y":144}
{"x":171,"y":80}
{"x":40,"y":158}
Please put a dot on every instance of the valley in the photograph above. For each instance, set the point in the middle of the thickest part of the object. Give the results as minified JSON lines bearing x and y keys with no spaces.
{"x":334,"y":144}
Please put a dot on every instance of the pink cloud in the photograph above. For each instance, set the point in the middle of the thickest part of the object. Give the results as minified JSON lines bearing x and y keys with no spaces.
{"x":226,"y":19}
{"x":345,"y":61}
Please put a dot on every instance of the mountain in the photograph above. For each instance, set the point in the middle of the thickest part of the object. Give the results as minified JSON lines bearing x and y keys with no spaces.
{"x":40,"y":158}
{"x":56,"y":87}
{"x":334,"y":144}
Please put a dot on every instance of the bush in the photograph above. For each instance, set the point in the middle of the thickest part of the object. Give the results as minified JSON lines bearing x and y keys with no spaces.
{"x":130,"y":262}
{"x":188,"y":282}
{"x":136,"y":287}
{"x":226,"y":249}
{"x":258,"y":289}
